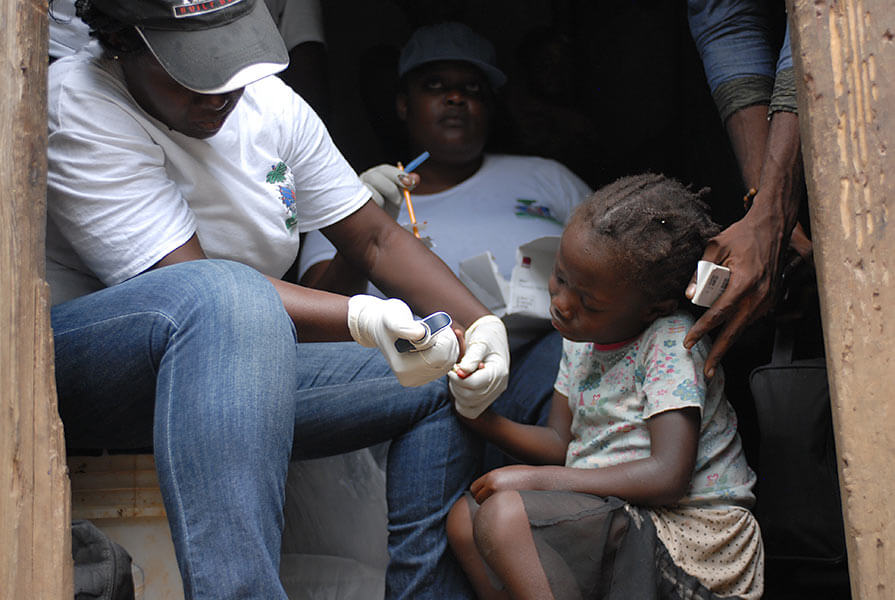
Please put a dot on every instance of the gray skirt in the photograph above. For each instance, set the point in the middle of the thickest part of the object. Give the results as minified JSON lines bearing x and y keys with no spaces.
{"x":595,"y":548}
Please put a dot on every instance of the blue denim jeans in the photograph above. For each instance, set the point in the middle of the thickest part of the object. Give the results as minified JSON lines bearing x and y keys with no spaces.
{"x":733,"y":39}
{"x":199,"y":360}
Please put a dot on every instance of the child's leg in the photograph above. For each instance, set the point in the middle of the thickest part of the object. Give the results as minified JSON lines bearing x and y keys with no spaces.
{"x":503,"y":538}
{"x":459,"y":531}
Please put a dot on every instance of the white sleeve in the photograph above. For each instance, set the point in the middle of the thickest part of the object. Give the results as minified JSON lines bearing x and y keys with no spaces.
{"x":108,"y":191}
{"x":327,"y":187}
{"x":68,"y":32}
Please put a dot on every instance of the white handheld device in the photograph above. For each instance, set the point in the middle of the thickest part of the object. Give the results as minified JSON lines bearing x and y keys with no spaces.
{"x":433,"y":324}
{"x":711,"y":281}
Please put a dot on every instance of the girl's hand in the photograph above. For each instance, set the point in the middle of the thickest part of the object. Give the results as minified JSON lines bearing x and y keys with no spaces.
{"x":513,"y":477}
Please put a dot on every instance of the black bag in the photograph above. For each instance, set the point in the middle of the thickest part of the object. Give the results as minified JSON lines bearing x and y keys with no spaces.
{"x":798,"y":507}
{"x":102,"y":567}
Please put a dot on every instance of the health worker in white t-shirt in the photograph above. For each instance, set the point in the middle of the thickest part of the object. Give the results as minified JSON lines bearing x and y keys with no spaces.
{"x":468,"y":201}
{"x":181,"y":175}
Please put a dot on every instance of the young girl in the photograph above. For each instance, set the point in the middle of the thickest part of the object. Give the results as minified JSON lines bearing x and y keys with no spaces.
{"x":653,"y":497}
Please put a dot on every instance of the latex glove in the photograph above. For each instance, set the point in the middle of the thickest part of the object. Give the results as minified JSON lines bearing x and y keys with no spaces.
{"x":386,"y":184}
{"x":377,"y":323}
{"x":486,"y":342}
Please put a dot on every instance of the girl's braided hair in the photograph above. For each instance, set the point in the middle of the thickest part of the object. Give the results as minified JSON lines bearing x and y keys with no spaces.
{"x":125,"y":38}
{"x":657,"y":227}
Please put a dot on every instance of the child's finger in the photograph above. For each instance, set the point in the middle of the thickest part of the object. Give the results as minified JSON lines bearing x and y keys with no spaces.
{"x":462,"y":339}
{"x":463,"y":374}
{"x":475,"y":486}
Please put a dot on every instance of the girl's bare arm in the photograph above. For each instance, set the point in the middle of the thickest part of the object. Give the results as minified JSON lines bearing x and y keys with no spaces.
{"x":532,"y":444}
{"x":658,"y":480}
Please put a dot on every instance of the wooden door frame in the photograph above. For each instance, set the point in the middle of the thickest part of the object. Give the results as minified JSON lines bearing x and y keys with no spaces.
{"x":844,"y":57}
{"x":35,"y":503}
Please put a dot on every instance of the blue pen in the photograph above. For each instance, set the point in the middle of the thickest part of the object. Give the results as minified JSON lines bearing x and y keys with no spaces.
{"x":416,"y":162}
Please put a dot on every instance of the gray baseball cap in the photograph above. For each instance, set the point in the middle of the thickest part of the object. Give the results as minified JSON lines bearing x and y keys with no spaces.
{"x":450,"y":41}
{"x":210,"y":46}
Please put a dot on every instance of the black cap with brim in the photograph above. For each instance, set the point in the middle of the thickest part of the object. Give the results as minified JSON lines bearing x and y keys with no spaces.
{"x":209,"y":47}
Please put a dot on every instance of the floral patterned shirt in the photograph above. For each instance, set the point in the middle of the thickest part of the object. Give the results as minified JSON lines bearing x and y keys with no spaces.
{"x":613,"y":390}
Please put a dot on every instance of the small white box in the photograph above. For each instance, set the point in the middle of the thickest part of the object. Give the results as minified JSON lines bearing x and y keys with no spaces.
{"x":523,"y":302}
{"x":711,"y":281}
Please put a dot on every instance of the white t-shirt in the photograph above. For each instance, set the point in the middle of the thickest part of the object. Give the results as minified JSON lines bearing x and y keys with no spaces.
{"x":124,"y":190}
{"x":613,"y":391}
{"x":509,"y":201}
{"x":67,"y":31}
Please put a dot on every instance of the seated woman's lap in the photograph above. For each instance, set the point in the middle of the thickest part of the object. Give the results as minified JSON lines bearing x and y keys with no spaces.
{"x":217,"y":328}
{"x":200,"y":361}
{"x":207,"y":329}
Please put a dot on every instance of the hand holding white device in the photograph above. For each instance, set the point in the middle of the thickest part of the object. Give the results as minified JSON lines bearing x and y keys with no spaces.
{"x":433,"y":324}
{"x":711,"y":281}
{"x":485,"y":367}
{"x":374,"y":322}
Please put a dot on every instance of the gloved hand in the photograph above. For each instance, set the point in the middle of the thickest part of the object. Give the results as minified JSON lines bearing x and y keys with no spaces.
{"x":486,"y":342}
{"x":374,"y":322}
{"x":386,"y":183}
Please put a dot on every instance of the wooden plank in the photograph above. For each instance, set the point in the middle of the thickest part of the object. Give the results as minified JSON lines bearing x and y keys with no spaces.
{"x":845,"y":65}
{"x":34,"y":495}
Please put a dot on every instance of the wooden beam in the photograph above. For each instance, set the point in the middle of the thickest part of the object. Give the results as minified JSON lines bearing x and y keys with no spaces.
{"x":845,"y":65}
{"x":34,"y":494}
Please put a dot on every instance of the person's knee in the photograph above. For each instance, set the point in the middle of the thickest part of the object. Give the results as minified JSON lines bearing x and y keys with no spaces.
{"x":228,"y":281}
{"x":433,"y":401}
{"x":236,"y":297}
{"x":230,"y":317}
{"x":498,"y":519}
{"x":459,"y":525}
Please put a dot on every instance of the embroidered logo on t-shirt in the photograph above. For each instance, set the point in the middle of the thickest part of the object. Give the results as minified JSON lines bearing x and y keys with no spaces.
{"x":281,"y":177}
{"x":531,"y":208}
